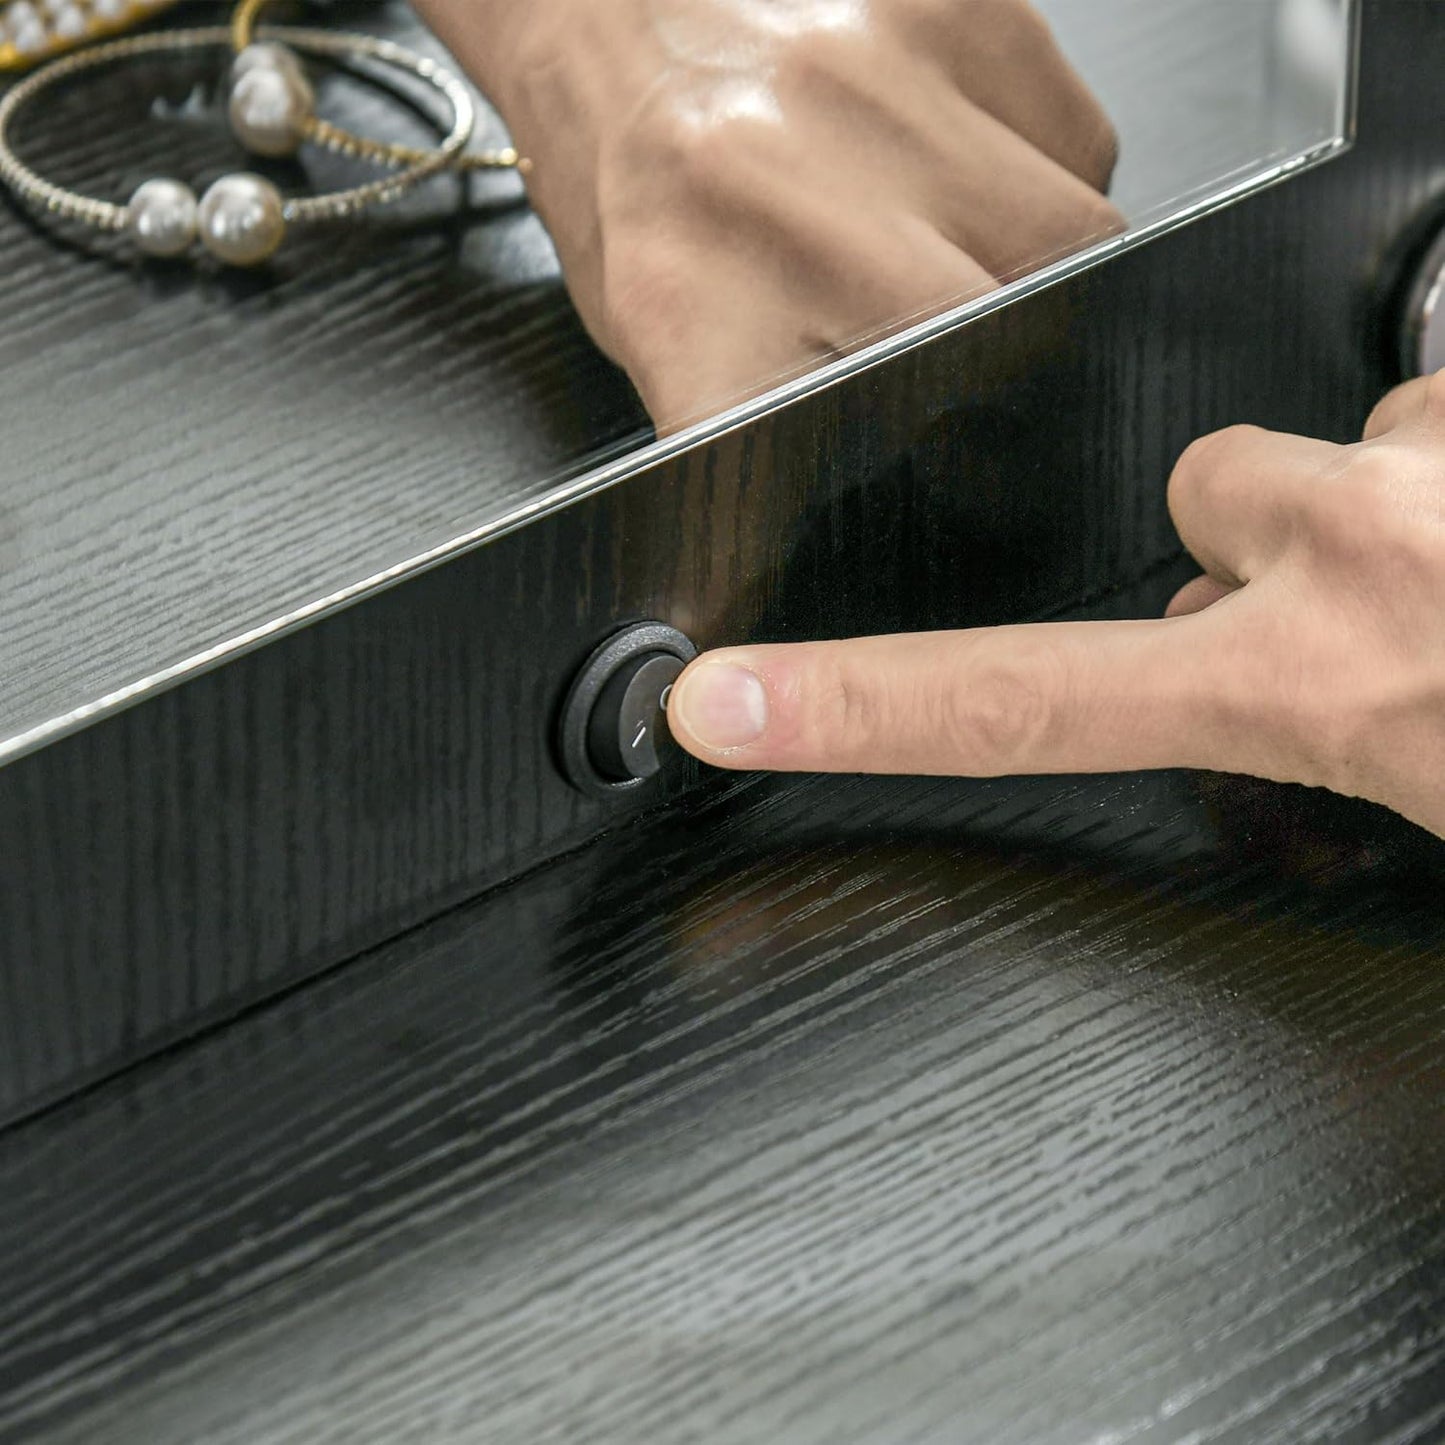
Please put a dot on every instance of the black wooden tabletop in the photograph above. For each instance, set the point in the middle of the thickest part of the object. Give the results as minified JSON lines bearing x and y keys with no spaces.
{"x":841,"y":1111}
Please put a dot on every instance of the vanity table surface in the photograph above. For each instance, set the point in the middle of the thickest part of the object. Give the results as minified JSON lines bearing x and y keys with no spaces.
{"x":844,"y":1111}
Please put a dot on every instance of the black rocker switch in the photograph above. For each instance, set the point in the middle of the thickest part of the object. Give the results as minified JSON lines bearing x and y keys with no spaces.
{"x":629,"y":719}
{"x":613,"y":735}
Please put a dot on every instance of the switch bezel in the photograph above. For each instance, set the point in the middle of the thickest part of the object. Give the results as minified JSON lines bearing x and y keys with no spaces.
{"x":633,"y":641}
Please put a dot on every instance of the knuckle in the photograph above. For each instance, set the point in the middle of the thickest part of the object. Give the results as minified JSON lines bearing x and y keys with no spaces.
{"x":1376,"y":510}
{"x":697,"y":141}
{"x":1019,"y":22}
{"x":695,"y":153}
{"x":643,"y":285}
{"x":711,"y":157}
{"x":814,"y":61}
{"x":1010,"y":30}
{"x":1005,"y":714}
{"x":924,"y":20}
{"x":1204,"y":464}
{"x":850,"y":718}
{"x":1012,"y":33}
{"x":1210,"y":453}
{"x":1392,"y":408}
{"x":1102,"y":160}
{"x":1102,"y":218}
{"x":647,"y":313}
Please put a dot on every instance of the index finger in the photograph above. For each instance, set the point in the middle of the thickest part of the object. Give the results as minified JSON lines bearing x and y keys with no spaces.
{"x":1046,"y":698}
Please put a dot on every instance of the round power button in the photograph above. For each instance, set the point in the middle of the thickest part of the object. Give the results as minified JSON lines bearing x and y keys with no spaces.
{"x":613,"y":733}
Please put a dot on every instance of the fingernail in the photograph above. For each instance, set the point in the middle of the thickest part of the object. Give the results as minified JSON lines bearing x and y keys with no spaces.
{"x":722,"y":705}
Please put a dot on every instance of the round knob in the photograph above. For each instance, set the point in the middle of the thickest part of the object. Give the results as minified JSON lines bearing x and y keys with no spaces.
{"x":613,"y":735}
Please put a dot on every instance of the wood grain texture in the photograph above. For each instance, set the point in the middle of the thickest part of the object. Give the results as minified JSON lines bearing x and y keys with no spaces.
{"x":175,"y":864}
{"x":839,"y":1112}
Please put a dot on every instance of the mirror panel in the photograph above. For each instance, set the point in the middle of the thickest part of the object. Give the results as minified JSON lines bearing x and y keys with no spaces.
{"x":194,"y":461}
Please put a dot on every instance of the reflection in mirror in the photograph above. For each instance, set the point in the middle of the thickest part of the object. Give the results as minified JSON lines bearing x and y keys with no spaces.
{"x":736,"y":193}
{"x":769,"y":184}
{"x":1205,"y":96}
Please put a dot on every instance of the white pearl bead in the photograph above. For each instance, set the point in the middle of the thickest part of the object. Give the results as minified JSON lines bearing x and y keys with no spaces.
{"x":161,"y":218}
{"x":268,"y":109}
{"x":28,"y":32}
{"x":70,"y":22}
{"x":109,"y":12}
{"x":241,"y":219}
{"x":266,"y":54}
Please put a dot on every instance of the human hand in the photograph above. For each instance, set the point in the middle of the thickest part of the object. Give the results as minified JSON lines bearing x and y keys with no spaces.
{"x":1312,"y":651}
{"x":741,"y":189}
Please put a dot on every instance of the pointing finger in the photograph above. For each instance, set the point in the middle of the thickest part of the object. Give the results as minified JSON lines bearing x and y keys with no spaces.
{"x":1049,"y":698}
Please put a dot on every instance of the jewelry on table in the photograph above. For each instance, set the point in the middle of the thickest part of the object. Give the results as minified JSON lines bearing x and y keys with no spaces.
{"x":272,"y":108}
{"x":36,"y":30}
{"x":242,"y":218}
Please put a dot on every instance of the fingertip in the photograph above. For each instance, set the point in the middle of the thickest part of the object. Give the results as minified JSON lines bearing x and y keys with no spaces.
{"x":719,"y":709}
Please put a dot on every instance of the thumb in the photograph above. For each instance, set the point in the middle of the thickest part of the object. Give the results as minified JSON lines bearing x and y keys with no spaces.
{"x":1048,"y":698}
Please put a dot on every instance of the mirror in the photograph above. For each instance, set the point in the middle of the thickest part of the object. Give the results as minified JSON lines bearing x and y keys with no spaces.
{"x":195,"y":458}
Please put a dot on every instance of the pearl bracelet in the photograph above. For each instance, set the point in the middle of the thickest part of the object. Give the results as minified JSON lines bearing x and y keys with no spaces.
{"x":242,"y":218}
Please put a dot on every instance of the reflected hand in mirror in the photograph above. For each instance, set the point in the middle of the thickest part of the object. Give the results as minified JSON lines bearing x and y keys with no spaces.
{"x":739,"y":190}
{"x":1312,"y":651}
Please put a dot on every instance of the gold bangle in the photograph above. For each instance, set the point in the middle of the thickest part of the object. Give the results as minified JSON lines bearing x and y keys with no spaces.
{"x":32,"y":31}
{"x":322,"y":133}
